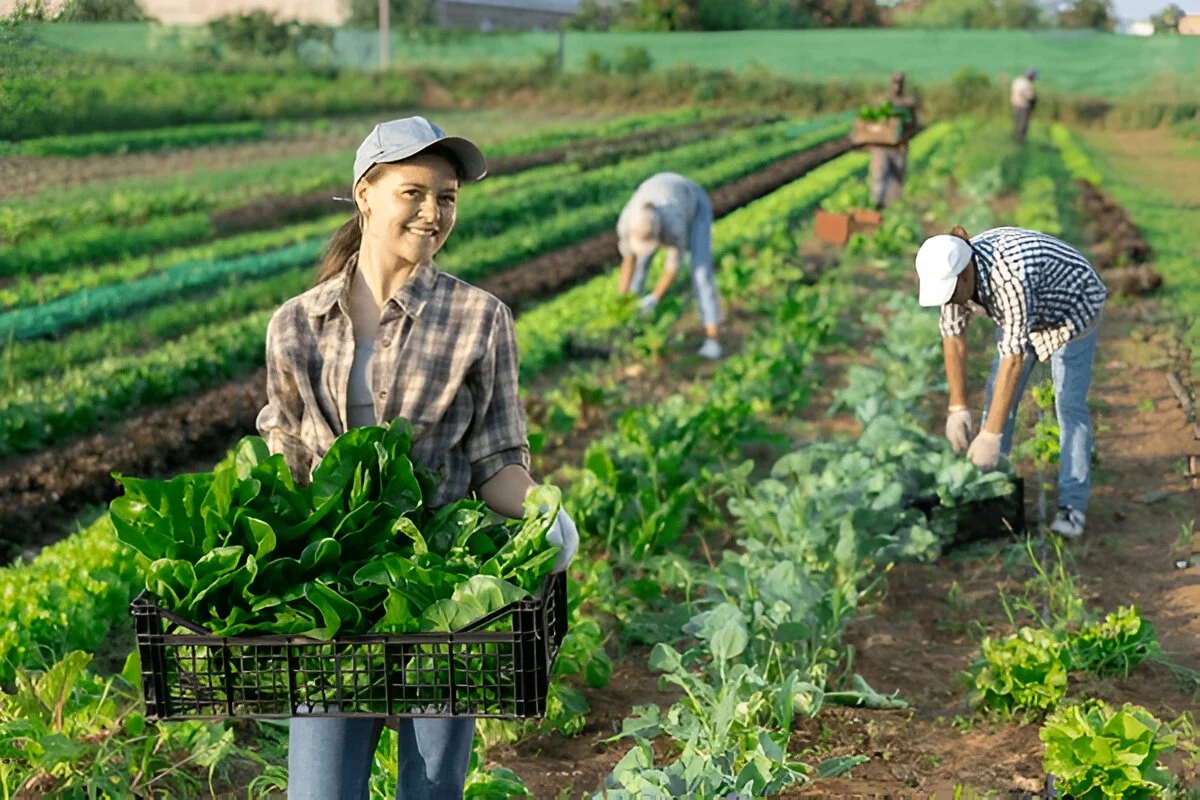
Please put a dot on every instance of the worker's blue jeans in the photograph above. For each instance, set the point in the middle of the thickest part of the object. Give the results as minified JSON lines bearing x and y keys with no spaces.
{"x":329,"y":758}
{"x":1071,"y":373}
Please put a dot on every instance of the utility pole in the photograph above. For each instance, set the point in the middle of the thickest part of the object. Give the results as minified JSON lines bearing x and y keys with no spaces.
{"x":385,"y":34}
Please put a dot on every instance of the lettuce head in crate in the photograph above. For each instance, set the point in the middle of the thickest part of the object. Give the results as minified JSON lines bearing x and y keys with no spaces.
{"x":247,"y":550}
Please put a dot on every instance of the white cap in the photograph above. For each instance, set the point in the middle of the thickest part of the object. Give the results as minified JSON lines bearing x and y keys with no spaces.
{"x":940,"y":261}
{"x":645,"y":230}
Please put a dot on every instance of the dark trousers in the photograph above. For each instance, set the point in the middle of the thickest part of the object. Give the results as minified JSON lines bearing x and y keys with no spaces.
{"x":888,"y":166}
{"x":1021,"y":115}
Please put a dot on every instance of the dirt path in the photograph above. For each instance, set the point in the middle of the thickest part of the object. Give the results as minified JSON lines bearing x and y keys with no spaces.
{"x":925,"y":633}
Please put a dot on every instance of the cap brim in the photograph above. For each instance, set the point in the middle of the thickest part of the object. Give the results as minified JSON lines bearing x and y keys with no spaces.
{"x":473,"y":163}
{"x":937,"y":293}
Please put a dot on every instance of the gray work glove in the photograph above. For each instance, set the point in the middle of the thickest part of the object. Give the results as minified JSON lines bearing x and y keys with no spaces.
{"x":647,"y":305}
{"x":565,"y":535}
{"x":985,"y":451}
{"x":958,"y":428}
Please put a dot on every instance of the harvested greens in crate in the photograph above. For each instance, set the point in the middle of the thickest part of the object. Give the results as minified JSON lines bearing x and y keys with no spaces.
{"x":345,"y":596}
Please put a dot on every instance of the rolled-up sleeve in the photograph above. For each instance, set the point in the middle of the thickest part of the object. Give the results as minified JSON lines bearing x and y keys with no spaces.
{"x":497,"y":436}
{"x":279,"y":420}
{"x":954,"y":319}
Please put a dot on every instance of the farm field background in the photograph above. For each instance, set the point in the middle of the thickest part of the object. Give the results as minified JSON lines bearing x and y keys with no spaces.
{"x":1095,"y":63}
{"x":752,"y":559}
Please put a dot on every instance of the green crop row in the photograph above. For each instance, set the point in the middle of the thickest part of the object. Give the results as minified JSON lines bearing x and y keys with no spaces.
{"x":710,"y":163}
{"x":1168,"y":225}
{"x":27,"y":292}
{"x":81,"y":247}
{"x":132,"y":202}
{"x":119,"y":142}
{"x":31,"y":631}
{"x":34,"y":290}
{"x":202,"y":134}
{"x":28,"y":362}
{"x":53,"y":408}
{"x":1073,"y":156}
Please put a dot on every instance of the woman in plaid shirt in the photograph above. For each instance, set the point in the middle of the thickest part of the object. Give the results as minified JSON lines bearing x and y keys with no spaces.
{"x":1047,"y":301}
{"x":383,"y":335}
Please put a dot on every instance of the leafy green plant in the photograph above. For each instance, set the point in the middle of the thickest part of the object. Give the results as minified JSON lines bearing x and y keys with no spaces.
{"x":854,"y":194}
{"x":1074,"y":158}
{"x":1024,"y":674}
{"x":634,"y":60}
{"x":244,"y":549}
{"x":1113,"y":646}
{"x":883,"y":112}
{"x":66,"y":733}
{"x":1096,"y":751}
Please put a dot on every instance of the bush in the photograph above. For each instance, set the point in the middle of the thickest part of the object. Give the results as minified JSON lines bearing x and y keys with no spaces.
{"x":128,"y":100}
{"x":634,"y":60}
{"x":101,"y":11}
{"x":260,"y":33}
{"x":597,"y":63}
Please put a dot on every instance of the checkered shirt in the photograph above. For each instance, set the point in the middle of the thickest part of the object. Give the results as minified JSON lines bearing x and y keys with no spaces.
{"x":1041,"y":291}
{"x":445,"y":359}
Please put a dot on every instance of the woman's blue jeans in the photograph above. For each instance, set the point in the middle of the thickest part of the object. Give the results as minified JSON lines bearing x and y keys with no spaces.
{"x":329,"y":758}
{"x":1071,"y":373}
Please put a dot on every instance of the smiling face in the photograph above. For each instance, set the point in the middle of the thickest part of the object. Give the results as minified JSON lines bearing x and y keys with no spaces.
{"x":409,"y":207}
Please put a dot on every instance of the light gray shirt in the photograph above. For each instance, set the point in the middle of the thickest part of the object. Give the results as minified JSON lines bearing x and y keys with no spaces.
{"x":678,"y":201}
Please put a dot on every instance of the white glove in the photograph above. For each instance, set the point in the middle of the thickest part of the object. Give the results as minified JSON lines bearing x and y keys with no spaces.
{"x":958,"y":428}
{"x":647,"y":305}
{"x":565,"y":535}
{"x":984,"y":452}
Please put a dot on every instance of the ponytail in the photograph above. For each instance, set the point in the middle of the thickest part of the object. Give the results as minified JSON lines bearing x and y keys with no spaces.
{"x":341,"y":247}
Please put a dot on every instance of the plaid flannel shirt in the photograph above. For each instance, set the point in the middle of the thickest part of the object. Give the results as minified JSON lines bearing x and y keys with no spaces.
{"x":1041,"y":291}
{"x":445,"y":359}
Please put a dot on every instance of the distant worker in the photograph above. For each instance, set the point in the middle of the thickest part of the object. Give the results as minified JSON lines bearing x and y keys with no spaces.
{"x":1024,"y":98}
{"x":1047,"y":301}
{"x":889,"y":165}
{"x":668,"y":210}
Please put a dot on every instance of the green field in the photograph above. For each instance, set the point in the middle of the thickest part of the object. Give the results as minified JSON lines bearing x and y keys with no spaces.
{"x":1082,"y":62}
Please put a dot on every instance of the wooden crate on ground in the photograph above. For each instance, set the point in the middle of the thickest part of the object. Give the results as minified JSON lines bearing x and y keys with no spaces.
{"x":836,"y":228}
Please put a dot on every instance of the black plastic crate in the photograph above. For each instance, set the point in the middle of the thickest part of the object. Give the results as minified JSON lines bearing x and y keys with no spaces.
{"x":188,"y":673}
{"x":995,"y":518}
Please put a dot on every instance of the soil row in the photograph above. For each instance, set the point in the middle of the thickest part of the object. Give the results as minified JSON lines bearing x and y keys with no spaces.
{"x":42,"y":492}
{"x":1119,"y":250}
{"x":275,"y":211}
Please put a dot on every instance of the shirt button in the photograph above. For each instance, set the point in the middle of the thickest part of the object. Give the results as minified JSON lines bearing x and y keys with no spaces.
{"x":383,"y":392}
{"x":386,"y":343}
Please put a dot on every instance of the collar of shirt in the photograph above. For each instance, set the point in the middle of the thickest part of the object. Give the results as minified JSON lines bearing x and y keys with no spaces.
{"x":410,"y":297}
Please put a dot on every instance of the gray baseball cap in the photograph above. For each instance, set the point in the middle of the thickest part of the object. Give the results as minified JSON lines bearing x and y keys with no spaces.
{"x":402,"y":138}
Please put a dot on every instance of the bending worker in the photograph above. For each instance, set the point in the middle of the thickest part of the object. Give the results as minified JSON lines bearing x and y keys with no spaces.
{"x":1047,"y":300}
{"x":1024,"y":98}
{"x":668,"y":210}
